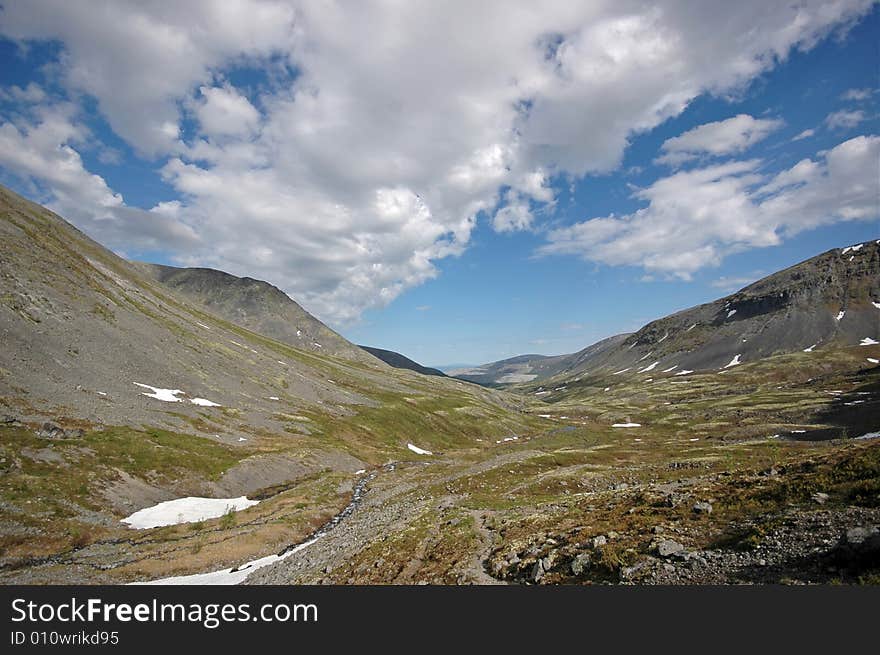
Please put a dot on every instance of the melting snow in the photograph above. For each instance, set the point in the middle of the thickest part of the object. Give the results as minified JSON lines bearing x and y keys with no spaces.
{"x":665,"y":336}
{"x":684,"y":372}
{"x":544,"y":416}
{"x":315,"y":343}
{"x":607,"y":388}
{"x":731,"y":313}
{"x":242,"y":439}
{"x":229,"y":576}
{"x":358,"y":472}
{"x":623,"y":371}
{"x":274,"y":398}
{"x":541,"y":393}
{"x":299,"y":333}
{"x":202,"y":325}
{"x":646,"y":356}
{"x":418,"y":451}
{"x":691,"y":327}
{"x":876,"y":304}
{"x":627,"y":425}
{"x":649,"y":368}
{"x":101,"y":393}
{"x":840,"y":314}
{"x":694,"y":439}
{"x":810,"y":349}
{"x":869,"y":435}
{"x":186,"y":510}
{"x":868,"y":341}
{"x":873,"y":361}
{"x":734,"y":362}
{"x":165,"y":395}
{"x":204,"y":402}
{"x":670,"y":369}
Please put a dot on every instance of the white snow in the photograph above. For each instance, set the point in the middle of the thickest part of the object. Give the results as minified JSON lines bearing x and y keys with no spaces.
{"x":418,"y":451}
{"x":299,"y":333}
{"x":852,"y":257}
{"x":627,"y":425}
{"x":203,"y":402}
{"x":274,"y":398}
{"x":101,"y":393}
{"x":840,"y":315}
{"x":544,"y":416}
{"x":694,"y":439}
{"x":360,"y":471}
{"x":810,"y":349}
{"x":731,"y":313}
{"x":315,"y":343}
{"x":541,"y":393}
{"x":868,"y":341}
{"x":644,"y":357}
{"x":607,"y":388}
{"x":619,"y":372}
{"x":873,"y":361}
{"x":236,"y":343}
{"x":242,"y":439}
{"x":280,"y":362}
{"x":186,"y":510}
{"x":670,"y":369}
{"x":649,"y":368}
{"x":691,"y":327}
{"x":876,"y":304}
{"x":734,"y":362}
{"x":202,"y":325}
{"x":684,"y":371}
{"x":869,"y":435}
{"x":165,"y":395}
{"x":228,"y":576}
{"x":560,"y":388}
{"x":665,"y":336}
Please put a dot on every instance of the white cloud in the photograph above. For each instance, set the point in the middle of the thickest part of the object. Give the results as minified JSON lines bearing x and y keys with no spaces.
{"x":43,"y":150}
{"x":693,"y":219}
{"x":730,"y":136}
{"x":401,"y":123}
{"x":223,"y":111}
{"x":844,"y":119}
{"x":806,"y":134}
{"x":857,"y":94}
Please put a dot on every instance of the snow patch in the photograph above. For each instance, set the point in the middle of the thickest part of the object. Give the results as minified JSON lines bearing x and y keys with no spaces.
{"x":165,"y":395}
{"x":840,"y":315}
{"x":202,"y":325}
{"x":810,"y":349}
{"x":868,"y":341}
{"x":274,"y":398}
{"x":360,"y":471}
{"x":734,"y":362}
{"x":731,"y":313}
{"x":649,"y":368}
{"x":186,"y":510}
{"x":684,"y":372}
{"x":670,"y":369}
{"x":418,"y":451}
{"x":619,"y":372}
{"x":627,"y":425}
{"x":876,"y":304}
{"x":691,"y":327}
{"x":203,"y":402}
{"x":873,"y":361}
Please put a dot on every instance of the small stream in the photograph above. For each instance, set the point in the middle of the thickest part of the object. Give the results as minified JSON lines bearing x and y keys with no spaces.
{"x":238,"y":574}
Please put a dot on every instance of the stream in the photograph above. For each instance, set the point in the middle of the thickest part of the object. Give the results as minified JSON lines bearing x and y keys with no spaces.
{"x":237,"y":575}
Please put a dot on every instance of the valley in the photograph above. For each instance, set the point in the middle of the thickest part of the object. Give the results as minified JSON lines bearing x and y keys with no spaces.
{"x":744,"y":449}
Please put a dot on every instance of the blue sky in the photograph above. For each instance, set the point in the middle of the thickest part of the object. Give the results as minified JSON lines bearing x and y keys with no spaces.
{"x":465,"y":187}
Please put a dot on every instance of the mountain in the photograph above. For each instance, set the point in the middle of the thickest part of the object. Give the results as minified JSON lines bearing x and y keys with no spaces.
{"x":118,"y":391}
{"x":400,"y":361}
{"x":830,"y":300}
{"x":255,"y":305}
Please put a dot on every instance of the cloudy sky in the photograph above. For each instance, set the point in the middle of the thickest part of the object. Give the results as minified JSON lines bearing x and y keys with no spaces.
{"x":460,"y":182}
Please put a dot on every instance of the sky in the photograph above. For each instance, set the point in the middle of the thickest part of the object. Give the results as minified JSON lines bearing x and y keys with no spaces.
{"x":460,"y":182}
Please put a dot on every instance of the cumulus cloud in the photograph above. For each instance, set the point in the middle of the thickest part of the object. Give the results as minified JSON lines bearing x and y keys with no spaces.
{"x":845,"y":119}
{"x":383,"y":131}
{"x":730,"y":136}
{"x":694,"y":218}
{"x":43,"y":151}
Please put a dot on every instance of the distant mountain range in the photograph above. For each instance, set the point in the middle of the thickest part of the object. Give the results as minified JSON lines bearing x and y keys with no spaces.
{"x":830,"y":299}
{"x":400,"y":361}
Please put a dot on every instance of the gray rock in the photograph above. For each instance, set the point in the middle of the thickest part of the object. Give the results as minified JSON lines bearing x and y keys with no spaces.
{"x":857,"y":536}
{"x":702,"y":507}
{"x":601,"y":540}
{"x":580,"y":563}
{"x":667,"y":547}
{"x":537,"y":571}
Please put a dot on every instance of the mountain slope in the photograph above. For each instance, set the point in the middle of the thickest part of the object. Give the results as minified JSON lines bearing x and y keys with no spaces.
{"x":255,"y":305}
{"x":400,"y":361}
{"x":830,"y":300}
